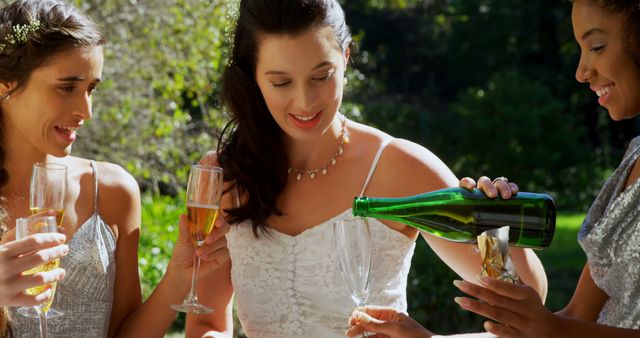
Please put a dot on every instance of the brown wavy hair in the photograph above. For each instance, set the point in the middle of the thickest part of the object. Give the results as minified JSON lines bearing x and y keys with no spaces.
{"x":62,"y":27}
{"x":251,"y":148}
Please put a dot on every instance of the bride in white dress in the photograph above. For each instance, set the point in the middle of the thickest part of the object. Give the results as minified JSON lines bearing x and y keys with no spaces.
{"x":293,"y":164}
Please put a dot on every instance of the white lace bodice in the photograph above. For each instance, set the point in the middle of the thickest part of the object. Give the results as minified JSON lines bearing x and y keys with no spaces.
{"x":291,"y":286}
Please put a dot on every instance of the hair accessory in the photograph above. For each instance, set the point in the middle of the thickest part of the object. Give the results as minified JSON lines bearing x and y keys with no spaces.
{"x":20,"y":34}
{"x":344,"y":138}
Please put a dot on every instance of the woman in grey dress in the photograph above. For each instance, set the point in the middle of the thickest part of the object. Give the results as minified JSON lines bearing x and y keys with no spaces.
{"x":606,"y":302}
{"x":50,"y":63}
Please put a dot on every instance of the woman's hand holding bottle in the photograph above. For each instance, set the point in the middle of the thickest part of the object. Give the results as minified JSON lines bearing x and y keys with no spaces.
{"x":491,"y":188}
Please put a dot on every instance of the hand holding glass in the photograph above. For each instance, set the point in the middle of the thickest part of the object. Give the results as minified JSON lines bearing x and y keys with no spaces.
{"x":29,"y":226}
{"x":47,"y":192}
{"x":204,"y":191}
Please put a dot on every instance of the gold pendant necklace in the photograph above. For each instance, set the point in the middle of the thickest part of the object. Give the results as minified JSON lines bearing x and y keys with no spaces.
{"x":344,"y":139}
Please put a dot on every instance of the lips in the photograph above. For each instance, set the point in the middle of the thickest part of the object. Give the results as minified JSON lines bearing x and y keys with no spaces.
{"x":305,"y":120}
{"x":67,"y":133}
{"x":603,"y":92}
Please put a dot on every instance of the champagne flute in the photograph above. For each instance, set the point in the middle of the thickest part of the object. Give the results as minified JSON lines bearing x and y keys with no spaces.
{"x":47,"y":192}
{"x":29,"y":226}
{"x":204,"y":191}
{"x":352,"y":241}
{"x":48,"y":189}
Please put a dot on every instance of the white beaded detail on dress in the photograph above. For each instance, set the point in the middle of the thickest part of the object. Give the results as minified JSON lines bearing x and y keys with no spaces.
{"x":290,"y":286}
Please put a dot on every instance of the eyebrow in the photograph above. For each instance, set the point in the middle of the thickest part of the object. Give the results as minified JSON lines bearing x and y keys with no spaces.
{"x":75,"y":79}
{"x":591,"y":32}
{"x":320,"y":65}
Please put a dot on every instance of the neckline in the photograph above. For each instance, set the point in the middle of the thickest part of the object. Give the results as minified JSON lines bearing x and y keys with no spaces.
{"x":312,"y":228}
{"x":274,"y":233}
{"x":97,"y":218}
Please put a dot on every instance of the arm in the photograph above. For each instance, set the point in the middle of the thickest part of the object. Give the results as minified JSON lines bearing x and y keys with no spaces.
{"x":587,"y":300}
{"x":217,"y":292}
{"x":462,"y":259}
{"x":129,"y":316}
{"x":408,"y":169}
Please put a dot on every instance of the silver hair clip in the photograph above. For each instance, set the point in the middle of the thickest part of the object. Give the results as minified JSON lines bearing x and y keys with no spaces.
{"x":20,"y":35}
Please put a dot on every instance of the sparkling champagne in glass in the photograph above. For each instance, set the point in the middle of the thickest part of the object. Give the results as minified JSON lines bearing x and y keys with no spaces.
{"x":47,"y":192}
{"x":204,"y":191}
{"x":48,"y":189}
{"x":29,"y":226}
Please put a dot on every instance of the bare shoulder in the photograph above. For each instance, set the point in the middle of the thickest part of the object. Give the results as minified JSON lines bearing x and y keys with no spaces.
{"x":407,"y":168}
{"x":119,"y":197}
{"x":114,"y":179}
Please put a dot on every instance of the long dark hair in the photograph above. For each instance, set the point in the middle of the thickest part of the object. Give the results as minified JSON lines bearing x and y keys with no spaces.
{"x":251,"y":148}
{"x":54,"y":26}
{"x":631,"y":9}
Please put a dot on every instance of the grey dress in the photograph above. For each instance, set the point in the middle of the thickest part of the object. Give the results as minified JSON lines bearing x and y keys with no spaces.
{"x":86,"y":293}
{"x":610,"y":237}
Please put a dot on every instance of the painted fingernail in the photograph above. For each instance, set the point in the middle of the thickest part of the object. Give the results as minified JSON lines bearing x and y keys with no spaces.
{"x":463,"y":302}
{"x":462,"y":285}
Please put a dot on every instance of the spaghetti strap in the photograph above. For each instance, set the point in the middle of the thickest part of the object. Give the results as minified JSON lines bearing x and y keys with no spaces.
{"x":375,"y":164}
{"x":95,"y":185}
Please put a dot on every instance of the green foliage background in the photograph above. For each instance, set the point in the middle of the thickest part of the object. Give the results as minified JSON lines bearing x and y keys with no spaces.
{"x":157,"y":111}
{"x":487,"y":85}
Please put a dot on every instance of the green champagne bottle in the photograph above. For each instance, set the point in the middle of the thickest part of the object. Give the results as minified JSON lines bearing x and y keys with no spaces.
{"x":461,"y":215}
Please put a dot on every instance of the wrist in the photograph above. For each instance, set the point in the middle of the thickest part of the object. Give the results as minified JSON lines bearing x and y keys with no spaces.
{"x":176,"y":280}
{"x":560,"y":326}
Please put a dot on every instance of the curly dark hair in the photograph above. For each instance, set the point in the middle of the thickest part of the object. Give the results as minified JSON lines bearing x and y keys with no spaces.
{"x":251,"y":148}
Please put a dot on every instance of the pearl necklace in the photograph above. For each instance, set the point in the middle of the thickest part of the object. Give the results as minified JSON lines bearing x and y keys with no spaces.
{"x":344,"y":139}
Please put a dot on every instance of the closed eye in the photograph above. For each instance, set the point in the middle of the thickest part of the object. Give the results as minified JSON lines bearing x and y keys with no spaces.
{"x":281,"y":84}
{"x":596,"y":49}
{"x":326,"y":77}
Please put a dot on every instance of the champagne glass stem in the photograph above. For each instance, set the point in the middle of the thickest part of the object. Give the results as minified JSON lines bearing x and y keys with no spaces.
{"x":43,"y":323}
{"x":193,"y":297}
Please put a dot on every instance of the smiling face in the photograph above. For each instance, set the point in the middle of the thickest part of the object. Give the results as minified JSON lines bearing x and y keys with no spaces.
{"x":45,"y":113}
{"x":605,"y":61}
{"x":301,"y":78}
